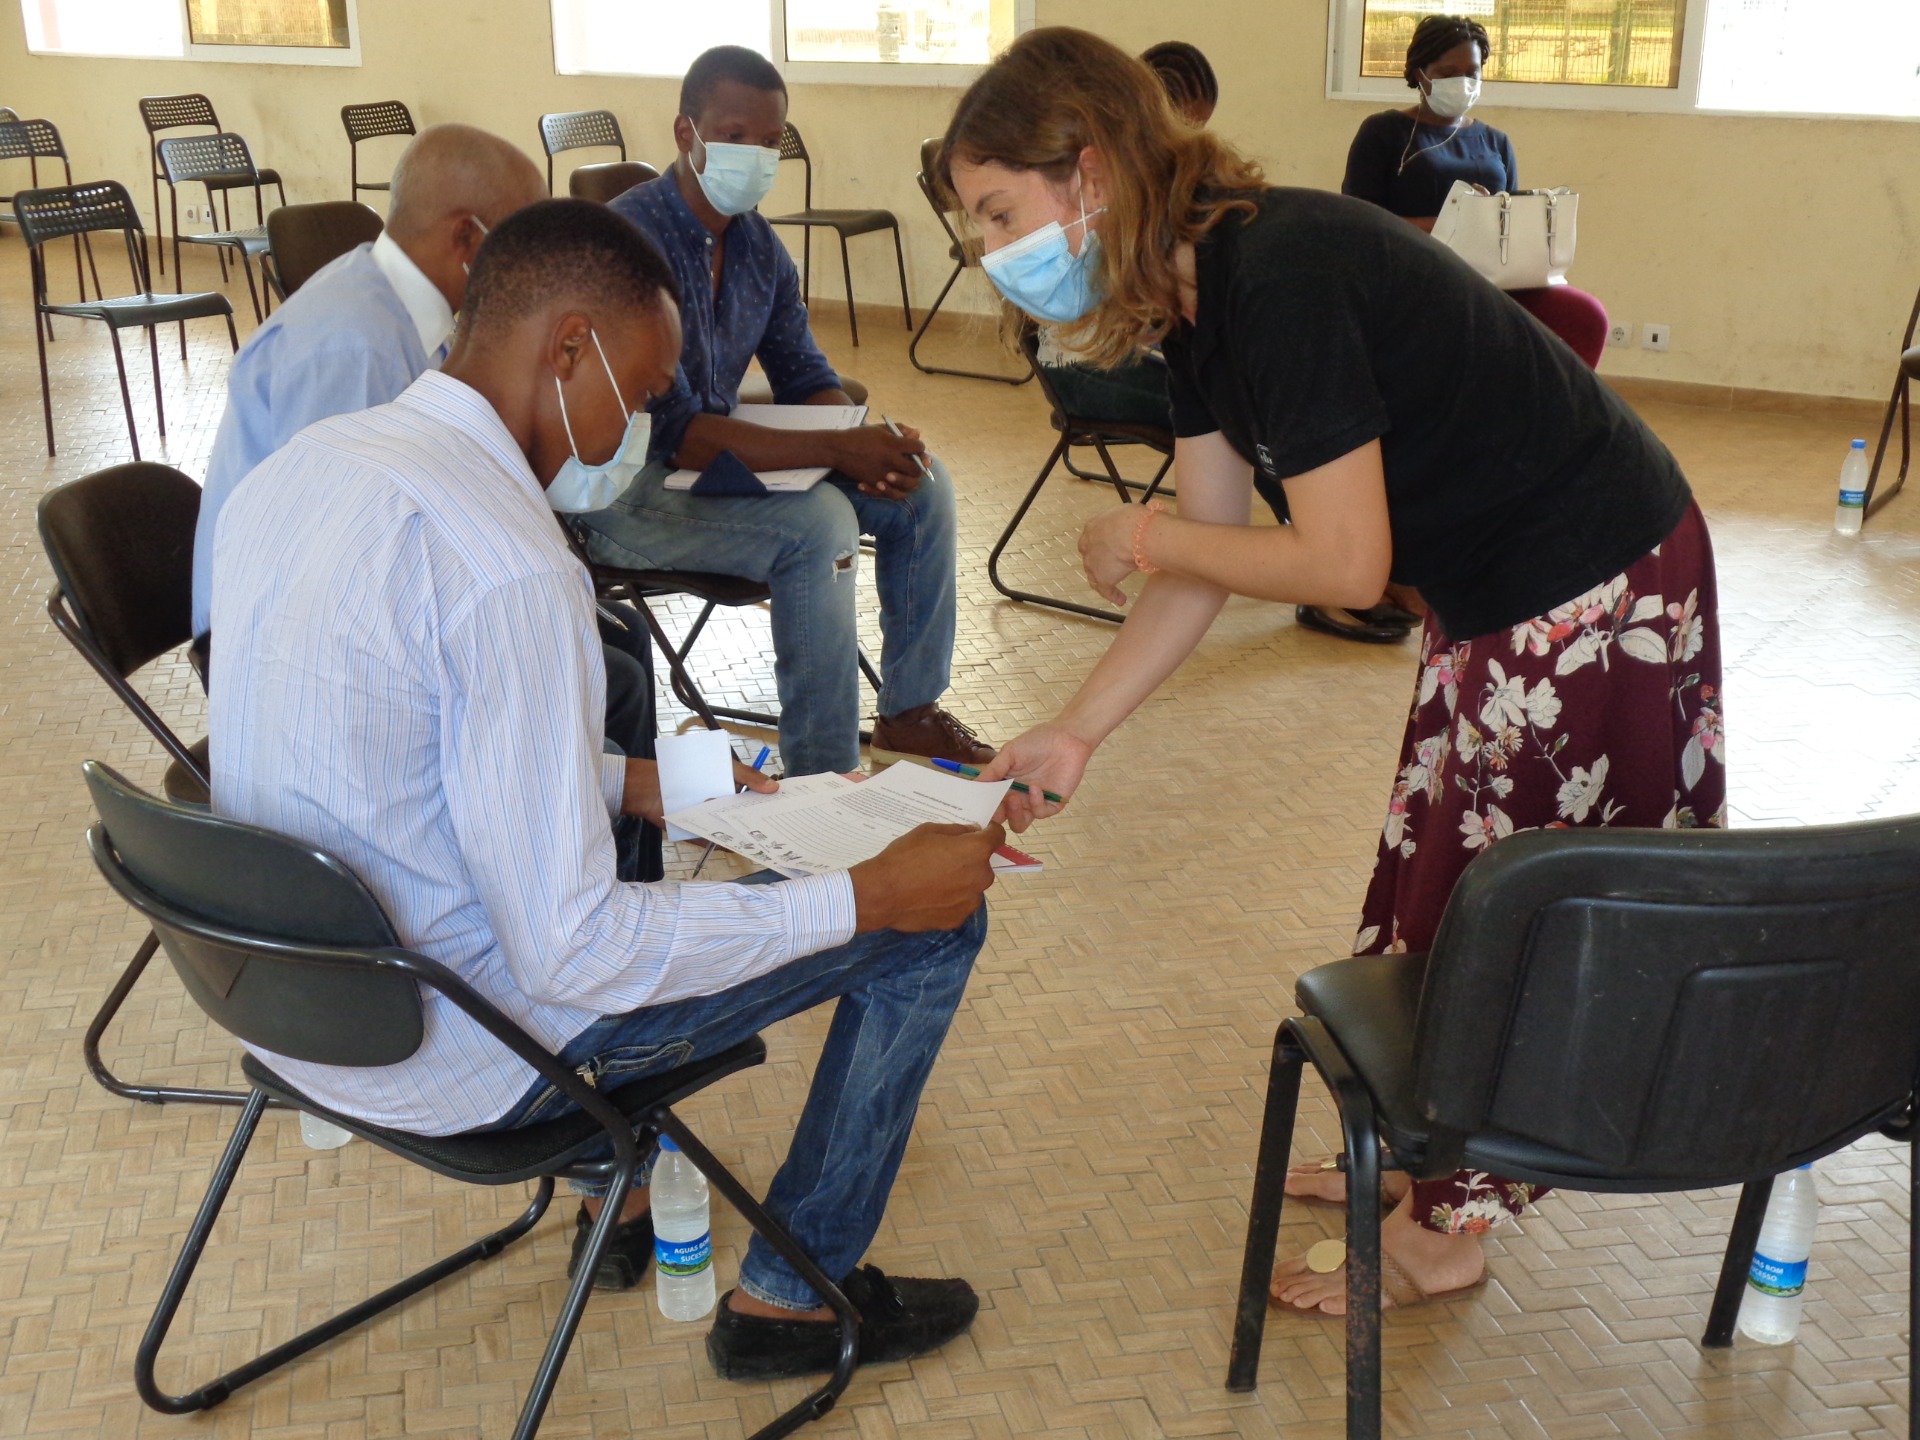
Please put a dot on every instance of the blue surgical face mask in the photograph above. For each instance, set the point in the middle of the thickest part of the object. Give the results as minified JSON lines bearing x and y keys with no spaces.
{"x":1040,"y":273}
{"x":737,"y":177}
{"x":580,"y":486}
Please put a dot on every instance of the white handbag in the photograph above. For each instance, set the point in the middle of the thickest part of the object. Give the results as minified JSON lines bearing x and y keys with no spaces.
{"x":1520,"y":241}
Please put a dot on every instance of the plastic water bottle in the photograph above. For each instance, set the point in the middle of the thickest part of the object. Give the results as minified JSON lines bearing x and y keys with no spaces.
{"x":682,"y":1236}
{"x":1852,"y":509}
{"x":322,"y":1134}
{"x":1776,"y":1285}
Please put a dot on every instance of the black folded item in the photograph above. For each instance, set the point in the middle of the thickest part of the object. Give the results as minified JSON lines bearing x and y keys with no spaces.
{"x":728,"y":475}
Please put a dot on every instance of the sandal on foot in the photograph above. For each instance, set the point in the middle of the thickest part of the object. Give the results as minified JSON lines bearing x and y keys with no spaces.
{"x":1332,"y":1164}
{"x":1350,"y":625}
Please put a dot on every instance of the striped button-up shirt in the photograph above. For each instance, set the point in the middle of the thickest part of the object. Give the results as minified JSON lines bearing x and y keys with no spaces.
{"x":409,"y":676}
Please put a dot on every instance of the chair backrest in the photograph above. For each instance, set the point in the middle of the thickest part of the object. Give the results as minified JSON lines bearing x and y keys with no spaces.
{"x":207,"y":157}
{"x":1030,"y":348}
{"x":171,"y":112}
{"x":305,"y":238}
{"x":580,"y":130}
{"x":7,"y":112}
{"x":1700,"y":1005}
{"x":376,"y":118}
{"x":241,"y":910}
{"x":30,"y":140}
{"x":929,"y":157}
{"x":609,"y":181}
{"x":120,"y":542}
{"x":58,"y":211}
{"x":792,"y":147}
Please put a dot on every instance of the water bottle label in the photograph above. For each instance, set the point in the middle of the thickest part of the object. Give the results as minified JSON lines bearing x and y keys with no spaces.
{"x":1777,"y":1277}
{"x":690,"y":1257}
{"x":1853,"y":497}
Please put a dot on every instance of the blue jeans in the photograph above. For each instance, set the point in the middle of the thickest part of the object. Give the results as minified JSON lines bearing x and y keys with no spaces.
{"x":806,"y":549}
{"x":897,"y":996}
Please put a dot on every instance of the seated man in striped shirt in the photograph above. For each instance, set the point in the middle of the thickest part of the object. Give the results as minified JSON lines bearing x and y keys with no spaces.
{"x":409,"y":677}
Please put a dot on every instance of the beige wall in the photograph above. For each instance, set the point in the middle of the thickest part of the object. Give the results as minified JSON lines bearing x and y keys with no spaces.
{"x":1784,"y":253}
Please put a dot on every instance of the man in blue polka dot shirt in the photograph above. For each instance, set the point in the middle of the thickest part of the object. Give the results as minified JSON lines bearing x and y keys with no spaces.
{"x":741,"y":301}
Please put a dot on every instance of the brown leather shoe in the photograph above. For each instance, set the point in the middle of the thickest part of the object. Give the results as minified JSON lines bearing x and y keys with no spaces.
{"x":923,"y":734}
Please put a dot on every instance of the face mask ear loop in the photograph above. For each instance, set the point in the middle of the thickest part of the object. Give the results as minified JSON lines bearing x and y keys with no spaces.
{"x":561,"y":395}
{"x":624,"y":411}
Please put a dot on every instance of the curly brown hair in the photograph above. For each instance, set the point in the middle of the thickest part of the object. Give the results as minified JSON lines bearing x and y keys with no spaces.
{"x":1057,"y":92}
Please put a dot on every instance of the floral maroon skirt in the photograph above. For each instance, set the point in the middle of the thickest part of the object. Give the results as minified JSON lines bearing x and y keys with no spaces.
{"x":1604,"y":711}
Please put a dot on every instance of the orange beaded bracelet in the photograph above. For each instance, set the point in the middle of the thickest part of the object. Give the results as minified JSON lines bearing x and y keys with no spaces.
{"x":1140,"y":562}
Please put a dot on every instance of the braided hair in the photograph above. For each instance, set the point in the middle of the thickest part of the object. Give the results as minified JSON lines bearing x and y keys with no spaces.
{"x":1184,"y":73}
{"x":1435,"y":35}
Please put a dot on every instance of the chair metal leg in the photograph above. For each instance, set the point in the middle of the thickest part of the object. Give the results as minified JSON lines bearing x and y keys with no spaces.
{"x":159,"y":231}
{"x":900,"y":263}
{"x":846,"y":273}
{"x":46,"y":386}
{"x":215,"y":1391}
{"x":120,"y":364}
{"x":153,"y":362}
{"x":1913,"y":1277}
{"x":913,"y":345}
{"x":1363,"y":1262}
{"x":1033,"y":597}
{"x":1263,"y":1214}
{"x":246,"y":266}
{"x":1902,"y":400}
{"x":1734,"y":1265}
{"x":806,"y":264}
{"x":547,"y":1375}
{"x":820,"y":1401}
{"x":151,"y":1094}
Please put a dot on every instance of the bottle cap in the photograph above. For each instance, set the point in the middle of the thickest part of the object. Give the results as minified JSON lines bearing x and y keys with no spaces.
{"x":666,"y":1142}
{"x":1859,"y":444}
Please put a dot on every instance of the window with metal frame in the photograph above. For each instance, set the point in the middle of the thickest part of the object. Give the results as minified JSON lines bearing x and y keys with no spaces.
{"x":300,"y":32}
{"x":1775,"y":57}
{"x":913,"y":42}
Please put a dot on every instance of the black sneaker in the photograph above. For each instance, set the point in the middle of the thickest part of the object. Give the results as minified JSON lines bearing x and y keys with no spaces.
{"x":628,"y":1252}
{"x":899,"y":1319}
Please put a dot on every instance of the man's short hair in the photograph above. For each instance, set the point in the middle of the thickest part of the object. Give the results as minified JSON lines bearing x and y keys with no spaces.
{"x":571,"y":250}
{"x":726,"y":62}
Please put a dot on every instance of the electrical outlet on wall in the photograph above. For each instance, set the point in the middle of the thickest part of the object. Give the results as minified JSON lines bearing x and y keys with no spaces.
{"x":1654,"y":336}
{"x":190,"y":214}
{"x":1621,"y":333}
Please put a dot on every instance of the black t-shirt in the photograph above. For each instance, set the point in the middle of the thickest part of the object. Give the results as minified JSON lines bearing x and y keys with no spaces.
{"x":1410,"y":173}
{"x":1515,"y":479}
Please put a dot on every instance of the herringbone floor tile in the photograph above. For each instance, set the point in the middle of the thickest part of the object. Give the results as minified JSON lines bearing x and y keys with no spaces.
{"x":1083,"y":1154}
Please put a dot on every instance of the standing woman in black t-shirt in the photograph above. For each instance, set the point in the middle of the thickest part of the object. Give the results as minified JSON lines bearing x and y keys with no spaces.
{"x":1407,"y":160}
{"x":1413,"y":422}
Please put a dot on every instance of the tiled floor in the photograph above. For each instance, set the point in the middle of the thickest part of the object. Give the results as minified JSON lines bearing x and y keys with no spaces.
{"x":1084,"y":1151}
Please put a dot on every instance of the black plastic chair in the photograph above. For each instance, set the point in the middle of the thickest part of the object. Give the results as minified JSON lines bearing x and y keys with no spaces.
{"x":220,"y":163}
{"x":845,"y":224}
{"x":104,"y":205}
{"x":1611,"y":1010}
{"x":965,"y":254}
{"x":579,"y":130}
{"x":607,"y":182}
{"x":120,"y":543}
{"x":285,"y":949}
{"x":34,"y":141}
{"x":303,"y":239}
{"x":1902,"y":402}
{"x":372,"y":122}
{"x":1099,"y":435}
{"x":185,"y":112}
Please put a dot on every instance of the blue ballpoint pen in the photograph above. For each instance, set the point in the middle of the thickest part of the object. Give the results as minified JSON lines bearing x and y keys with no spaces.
{"x":920,"y":461}
{"x":972,"y":774}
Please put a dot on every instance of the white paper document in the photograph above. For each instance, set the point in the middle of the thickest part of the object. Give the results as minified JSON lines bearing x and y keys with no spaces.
{"x":695,"y":766}
{"x":786,"y":417}
{"x":818,"y":823}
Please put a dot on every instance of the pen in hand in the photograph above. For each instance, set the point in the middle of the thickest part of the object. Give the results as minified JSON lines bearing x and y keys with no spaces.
{"x":972,"y":774}
{"x":758,"y":761}
{"x":918,"y":460}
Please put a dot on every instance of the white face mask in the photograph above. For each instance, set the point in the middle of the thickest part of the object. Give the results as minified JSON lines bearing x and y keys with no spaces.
{"x":580,"y":486}
{"x":736,"y":177}
{"x":484,"y":232}
{"x":1453,"y":96}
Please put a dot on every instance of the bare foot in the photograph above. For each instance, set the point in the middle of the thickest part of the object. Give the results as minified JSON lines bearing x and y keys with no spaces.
{"x":1317,"y":1180}
{"x":1436,"y":1263}
{"x":639,"y":1201}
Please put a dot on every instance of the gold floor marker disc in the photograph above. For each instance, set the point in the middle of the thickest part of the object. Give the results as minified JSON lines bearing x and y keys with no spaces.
{"x":1327,"y":1256}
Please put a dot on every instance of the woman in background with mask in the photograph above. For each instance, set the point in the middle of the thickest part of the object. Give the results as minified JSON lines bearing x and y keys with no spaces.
{"x":1411,"y":421}
{"x":1407,"y":160}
